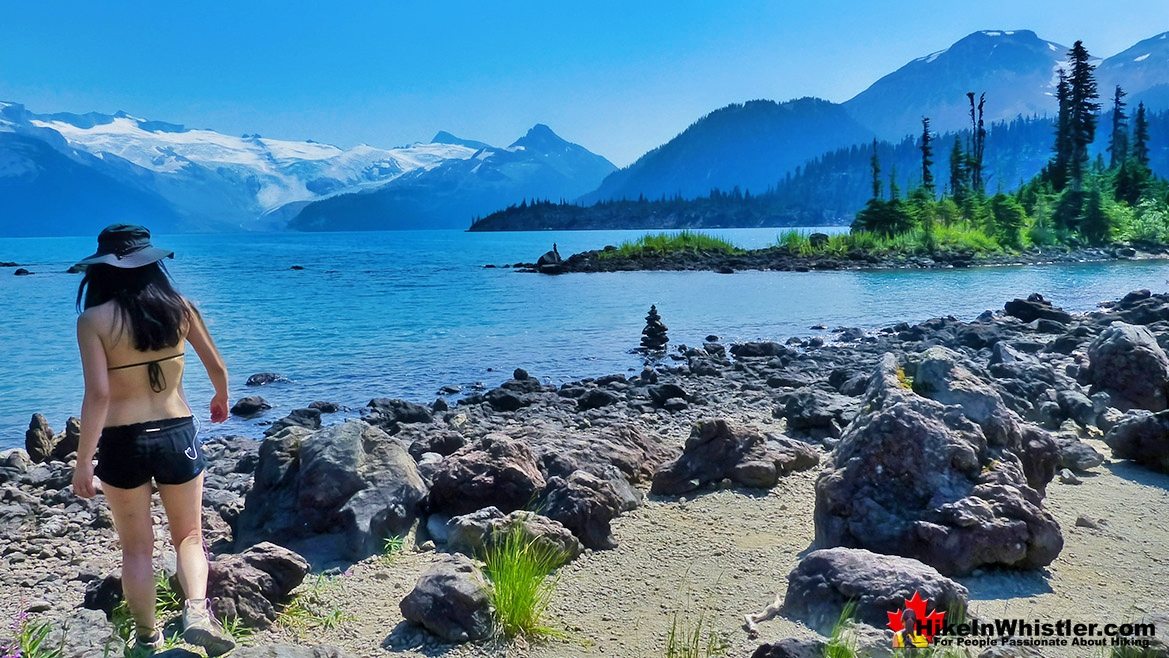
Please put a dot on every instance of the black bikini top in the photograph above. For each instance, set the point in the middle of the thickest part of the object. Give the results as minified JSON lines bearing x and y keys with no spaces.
{"x":153,"y":371}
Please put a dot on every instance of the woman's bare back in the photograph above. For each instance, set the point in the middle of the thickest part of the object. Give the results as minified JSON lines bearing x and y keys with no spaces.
{"x":133,"y":397}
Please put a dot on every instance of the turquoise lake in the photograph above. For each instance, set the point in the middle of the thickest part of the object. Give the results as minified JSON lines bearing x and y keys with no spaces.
{"x":401,"y":314}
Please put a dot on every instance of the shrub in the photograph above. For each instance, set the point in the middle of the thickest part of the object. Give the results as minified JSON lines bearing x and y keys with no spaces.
{"x":666,"y":243}
{"x":32,"y":640}
{"x":519,"y":570}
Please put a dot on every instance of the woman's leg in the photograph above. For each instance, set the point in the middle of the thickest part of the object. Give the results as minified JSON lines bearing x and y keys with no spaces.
{"x":130,"y":509}
{"x":184,"y":511}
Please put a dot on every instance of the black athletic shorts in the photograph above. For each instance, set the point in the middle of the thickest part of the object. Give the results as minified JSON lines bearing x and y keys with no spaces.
{"x":128,"y":456}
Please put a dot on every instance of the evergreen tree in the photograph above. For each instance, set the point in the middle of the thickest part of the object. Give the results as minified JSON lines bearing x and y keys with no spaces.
{"x":1140,"y":136}
{"x":1082,"y":107}
{"x":1056,"y":171}
{"x":977,"y":142}
{"x":927,"y":157}
{"x":1118,"y":143}
{"x":1007,"y":220}
{"x":957,"y":173}
{"x":875,"y":166}
{"x":1095,"y":224}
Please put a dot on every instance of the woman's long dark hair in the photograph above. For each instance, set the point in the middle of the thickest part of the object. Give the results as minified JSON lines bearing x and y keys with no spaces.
{"x":148,"y":304}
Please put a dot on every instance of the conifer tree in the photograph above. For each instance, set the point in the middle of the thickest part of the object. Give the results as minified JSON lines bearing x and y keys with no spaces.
{"x":1057,"y":168}
{"x":977,"y":142}
{"x":875,"y":165}
{"x":1082,"y":107}
{"x":957,"y":173}
{"x":1140,"y":136}
{"x":1118,"y":143}
{"x":927,"y":157}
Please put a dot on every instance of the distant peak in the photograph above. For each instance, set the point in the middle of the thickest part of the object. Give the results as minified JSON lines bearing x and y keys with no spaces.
{"x":444,"y":137}
{"x":540,"y":136}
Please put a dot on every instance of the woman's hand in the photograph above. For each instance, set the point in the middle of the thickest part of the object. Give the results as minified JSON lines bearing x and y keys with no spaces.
{"x":83,"y":479}
{"x":219,"y":408}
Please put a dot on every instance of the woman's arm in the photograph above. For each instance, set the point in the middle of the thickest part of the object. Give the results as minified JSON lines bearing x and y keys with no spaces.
{"x":94,"y":405}
{"x":200,"y":339}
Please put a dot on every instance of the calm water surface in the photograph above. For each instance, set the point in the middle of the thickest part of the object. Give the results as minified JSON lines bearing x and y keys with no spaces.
{"x":401,"y":314}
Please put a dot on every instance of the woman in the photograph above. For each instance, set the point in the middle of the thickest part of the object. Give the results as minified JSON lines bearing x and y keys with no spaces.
{"x":131,"y":332}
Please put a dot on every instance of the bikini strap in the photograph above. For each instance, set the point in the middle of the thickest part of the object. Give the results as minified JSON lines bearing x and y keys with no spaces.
{"x":147,"y":363}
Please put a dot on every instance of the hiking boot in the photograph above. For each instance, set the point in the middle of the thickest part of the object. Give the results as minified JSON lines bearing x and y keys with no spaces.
{"x":146,"y":645}
{"x":201,"y":630}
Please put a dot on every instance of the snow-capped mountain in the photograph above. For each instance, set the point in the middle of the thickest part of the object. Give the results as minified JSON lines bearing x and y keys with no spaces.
{"x":538,"y":165}
{"x":1143,"y":72}
{"x":1015,"y":68}
{"x":259,"y":174}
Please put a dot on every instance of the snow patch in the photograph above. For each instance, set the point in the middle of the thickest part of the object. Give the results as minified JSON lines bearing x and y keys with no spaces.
{"x":1009,"y":33}
{"x":1052,"y":47}
{"x":1143,"y":57}
{"x":993,"y":34}
{"x":933,"y":56}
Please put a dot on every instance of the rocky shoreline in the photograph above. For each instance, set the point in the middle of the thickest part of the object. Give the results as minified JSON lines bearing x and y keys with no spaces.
{"x":1018,"y":458}
{"x":780,"y":259}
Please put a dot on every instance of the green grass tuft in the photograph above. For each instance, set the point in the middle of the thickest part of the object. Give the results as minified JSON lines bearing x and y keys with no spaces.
{"x":309,"y":612}
{"x":842,"y":644}
{"x":661,"y":244}
{"x":521,"y":584}
{"x":392,"y":547}
{"x":32,"y":640}
{"x":693,"y":639}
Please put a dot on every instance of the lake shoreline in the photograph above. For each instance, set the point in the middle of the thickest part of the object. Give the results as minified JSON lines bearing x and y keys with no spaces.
{"x":633,"y":468}
{"x":780,"y":259}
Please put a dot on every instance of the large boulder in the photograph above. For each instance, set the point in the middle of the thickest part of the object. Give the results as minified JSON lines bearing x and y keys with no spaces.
{"x":585,"y":504}
{"x":450,"y":601}
{"x":496,"y":470}
{"x":916,"y":478}
{"x":471,"y":533}
{"x":66,"y":443}
{"x":1143,"y":438}
{"x":1126,"y":362}
{"x":288,"y":651}
{"x":941,"y":376}
{"x":38,"y":439}
{"x":718,"y":450}
{"x":249,"y":586}
{"x":351,"y":480}
{"x":83,"y":633}
{"x":826,"y":580}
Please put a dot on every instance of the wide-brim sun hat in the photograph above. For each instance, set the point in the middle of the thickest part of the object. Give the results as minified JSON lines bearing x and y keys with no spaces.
{"x":126,"y":246}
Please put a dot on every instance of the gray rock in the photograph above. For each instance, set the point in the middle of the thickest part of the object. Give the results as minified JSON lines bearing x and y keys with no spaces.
{"x":811,"y":409}
{"x":250,"y":585}
{"x":250,"y":406}
{"x":717,"y":449}
{"x":84,"y":633}
{"x":596,"y":398}
{"x":1034,"y":308}
{"x":825,"y":580}
{"x":1126,"y":362}
{"x":1077,"y":455}
{"x":941,"y":376}
{"x":38,"y":440}
{"x":307,"y":418}
{"x":390,"y":414}
{"x":792,"y":648}
{"x":66,"y":443}
{"x":349,"y":479}
{"x":1143,"y":438}
{"x":472,"y":533}
{"x":450,"y":601}
{"x":585,"y":504}
{"x":265,"y":378}
{"x":496,"y":470}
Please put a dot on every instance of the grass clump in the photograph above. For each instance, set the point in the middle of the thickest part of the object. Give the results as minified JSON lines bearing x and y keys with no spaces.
{"x":519,"y":570}
{"x":392,"y":547}
{"x":309,"y":612}
{"x":842,"y":644}
{"x":661,"y":244}
{"x":693,"y":638}
{"x":167,"y":603}
{"x":32,"y":640}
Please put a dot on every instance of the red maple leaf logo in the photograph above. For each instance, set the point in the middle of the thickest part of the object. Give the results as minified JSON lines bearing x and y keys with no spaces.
{"x":928,"y":623}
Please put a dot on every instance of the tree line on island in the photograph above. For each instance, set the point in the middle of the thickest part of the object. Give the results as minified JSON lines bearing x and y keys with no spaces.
{"x":1075,"y":200}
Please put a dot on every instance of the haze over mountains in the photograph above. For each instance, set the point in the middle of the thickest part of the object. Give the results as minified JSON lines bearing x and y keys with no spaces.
{"x":64,"y":174}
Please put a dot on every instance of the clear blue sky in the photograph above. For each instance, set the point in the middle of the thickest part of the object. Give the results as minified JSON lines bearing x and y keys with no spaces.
{"x":617,"y":77}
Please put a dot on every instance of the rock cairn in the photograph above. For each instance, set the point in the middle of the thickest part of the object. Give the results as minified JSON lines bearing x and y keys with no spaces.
{"x":653,"y":337}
